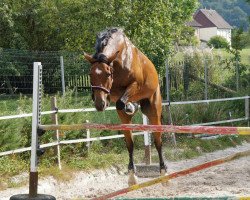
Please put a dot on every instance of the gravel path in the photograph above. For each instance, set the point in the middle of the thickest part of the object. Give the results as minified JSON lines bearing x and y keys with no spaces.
{"x":229,"y":179}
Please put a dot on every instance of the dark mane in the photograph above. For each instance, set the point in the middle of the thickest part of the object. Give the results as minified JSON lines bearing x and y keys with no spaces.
{"x":103,"y":38}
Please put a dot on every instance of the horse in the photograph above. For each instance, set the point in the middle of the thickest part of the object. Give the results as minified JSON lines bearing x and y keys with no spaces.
{"x":122,"y":74}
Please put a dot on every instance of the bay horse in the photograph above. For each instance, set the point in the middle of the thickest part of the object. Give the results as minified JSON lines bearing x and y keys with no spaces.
{"x":121,"y":73}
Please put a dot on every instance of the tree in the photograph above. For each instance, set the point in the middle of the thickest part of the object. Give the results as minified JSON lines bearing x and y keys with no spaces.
{"x":248,"y":1}
{"x":72,"y":25}
{"x":151,"y":25}
{"x":241,"y":72}
{"x":218,"y":42}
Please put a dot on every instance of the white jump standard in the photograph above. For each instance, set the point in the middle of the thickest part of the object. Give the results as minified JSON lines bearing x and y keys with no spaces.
{"x":35,"y":150}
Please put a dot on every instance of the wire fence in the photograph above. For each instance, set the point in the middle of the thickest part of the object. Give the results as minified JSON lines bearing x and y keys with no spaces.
{"x":195,"y":77}
{"x":16,"y":70}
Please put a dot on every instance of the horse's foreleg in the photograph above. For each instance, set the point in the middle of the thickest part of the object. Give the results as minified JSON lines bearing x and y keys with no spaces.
{"x":131,"y":90}
{"x":126,"y":119}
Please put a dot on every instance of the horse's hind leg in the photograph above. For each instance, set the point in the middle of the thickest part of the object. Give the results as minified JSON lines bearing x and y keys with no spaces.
{"x":152,"y":108}
{"x":126,"y":119}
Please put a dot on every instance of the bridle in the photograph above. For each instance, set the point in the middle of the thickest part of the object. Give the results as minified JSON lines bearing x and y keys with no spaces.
{"x":97,"y":87}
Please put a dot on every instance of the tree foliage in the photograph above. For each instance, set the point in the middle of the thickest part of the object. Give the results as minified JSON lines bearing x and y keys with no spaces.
{"x":45,"y":25}
{"x":234,"y":63}
{"x":218,"y":42}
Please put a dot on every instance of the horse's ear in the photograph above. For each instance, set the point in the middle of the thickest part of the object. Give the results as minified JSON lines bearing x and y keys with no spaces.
{"x":89,"y":58}
{"x":111,"y":58}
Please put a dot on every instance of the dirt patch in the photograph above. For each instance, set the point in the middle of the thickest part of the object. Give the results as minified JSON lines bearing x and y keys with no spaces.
{"x":229,"y":179}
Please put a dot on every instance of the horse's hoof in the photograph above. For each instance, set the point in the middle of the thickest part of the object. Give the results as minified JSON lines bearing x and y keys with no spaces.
{"x":164,"y":173}
{"x":132,"y":179}
{"x":131,"y":108}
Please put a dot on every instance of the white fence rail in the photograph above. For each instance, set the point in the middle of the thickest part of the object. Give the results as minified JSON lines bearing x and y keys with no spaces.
{"x":25,"y":115}
{"x":113,"y":108}
{"x":246,"y":118}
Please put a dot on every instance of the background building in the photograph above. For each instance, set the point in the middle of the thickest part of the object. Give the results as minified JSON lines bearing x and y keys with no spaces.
{"x":209,"y":23}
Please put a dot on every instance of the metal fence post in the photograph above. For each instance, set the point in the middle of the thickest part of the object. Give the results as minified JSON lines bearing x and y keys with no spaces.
{"x":62,"y":74}
{"x":247,"y":110}
{"x":206,"y":79}
{"x":168,"y":100}
{"x":56,"y":136}
{"x":167,"y":81}
{"x":237,"y":75}
{"x":147,"y":142}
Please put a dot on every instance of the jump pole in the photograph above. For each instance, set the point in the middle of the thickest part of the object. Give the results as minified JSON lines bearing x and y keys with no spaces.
{"x":184,"y":172}
{"x":36,"y":120}
{"x":224,"y":130}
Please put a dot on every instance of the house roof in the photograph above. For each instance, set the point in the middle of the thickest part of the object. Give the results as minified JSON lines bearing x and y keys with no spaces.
{"x":193,"y":23}
{"x":210,"y":18}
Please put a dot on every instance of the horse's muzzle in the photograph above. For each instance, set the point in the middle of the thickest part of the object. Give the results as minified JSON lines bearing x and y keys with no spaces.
{"x":101,"y":104}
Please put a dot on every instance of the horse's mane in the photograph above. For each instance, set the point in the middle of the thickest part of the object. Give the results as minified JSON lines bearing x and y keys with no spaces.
{"x":103,"y":38}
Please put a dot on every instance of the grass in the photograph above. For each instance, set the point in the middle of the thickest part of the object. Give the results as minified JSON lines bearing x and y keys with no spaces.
{"x":11,"y":105}
{"x":222,"y":53}
{"x":245,"y":56}
{"x":103,"y":154}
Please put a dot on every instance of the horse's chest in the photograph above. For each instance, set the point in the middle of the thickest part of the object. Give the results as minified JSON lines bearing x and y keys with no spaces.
{"x":121,"y":79}
{"x":116,"y":93}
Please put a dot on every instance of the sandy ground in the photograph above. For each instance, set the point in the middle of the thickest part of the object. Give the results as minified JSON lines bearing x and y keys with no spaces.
{"x":229,"y":179}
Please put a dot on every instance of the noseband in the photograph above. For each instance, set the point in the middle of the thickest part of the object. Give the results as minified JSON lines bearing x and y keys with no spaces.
{"x":93,"y":87}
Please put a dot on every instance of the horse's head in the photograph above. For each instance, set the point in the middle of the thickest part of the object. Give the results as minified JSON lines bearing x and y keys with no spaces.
{"x":101,"y":79}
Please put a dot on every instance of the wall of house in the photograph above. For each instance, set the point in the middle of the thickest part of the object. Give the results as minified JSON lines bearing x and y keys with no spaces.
{"x":226,"y":33}
{"x":207,"y":33}
{"x":197,"y":32}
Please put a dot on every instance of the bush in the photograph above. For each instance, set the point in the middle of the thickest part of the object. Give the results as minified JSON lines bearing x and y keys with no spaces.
{"x":218,"y":42}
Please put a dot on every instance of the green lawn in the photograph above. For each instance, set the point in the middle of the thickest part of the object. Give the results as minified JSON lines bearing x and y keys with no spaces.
{"x":245,"y":56}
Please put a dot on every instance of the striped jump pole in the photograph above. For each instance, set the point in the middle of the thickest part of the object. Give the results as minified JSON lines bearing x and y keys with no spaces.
{"x":184,"y":172}
{"x":225,"y":130}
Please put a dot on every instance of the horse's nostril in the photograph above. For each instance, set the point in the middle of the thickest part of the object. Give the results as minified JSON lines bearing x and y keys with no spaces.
{"x":100,"y":106}
{"x":103,"y":104}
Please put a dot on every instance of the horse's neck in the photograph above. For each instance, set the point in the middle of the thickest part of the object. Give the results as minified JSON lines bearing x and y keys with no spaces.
{"x":123,"y":63}
{"x":113,"y":45}
{"x":123,"y":67}
{"x":125,"y":47}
